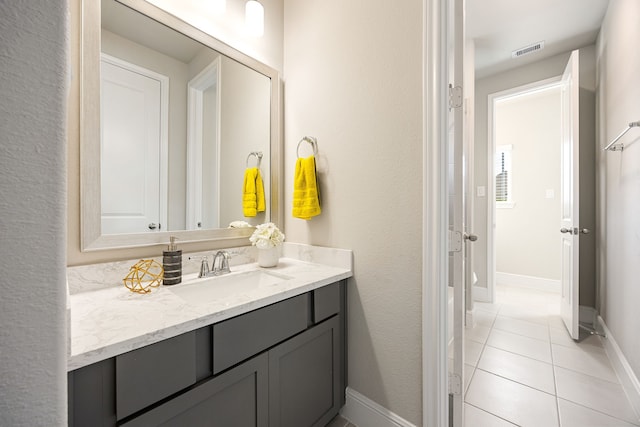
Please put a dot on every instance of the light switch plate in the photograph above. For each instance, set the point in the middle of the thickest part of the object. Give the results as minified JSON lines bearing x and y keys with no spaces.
{"x":481,"y":191}
{"x":549,"y":194}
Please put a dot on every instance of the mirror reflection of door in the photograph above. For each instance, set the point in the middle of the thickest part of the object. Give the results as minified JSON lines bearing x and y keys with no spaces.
{"x":133,"y":109}
{"x":203,"y":138}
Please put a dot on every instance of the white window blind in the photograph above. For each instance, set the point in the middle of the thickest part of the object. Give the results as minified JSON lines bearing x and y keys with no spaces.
{"x":503,"y":171}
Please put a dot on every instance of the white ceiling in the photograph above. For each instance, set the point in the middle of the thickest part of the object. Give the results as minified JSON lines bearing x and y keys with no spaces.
{"x":502,"y":26}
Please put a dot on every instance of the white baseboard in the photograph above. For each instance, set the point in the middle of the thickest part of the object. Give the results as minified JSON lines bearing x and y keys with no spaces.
{"x":548,"y":285}
{"x":627,"y":377}
{"x":362,"y":411}
{"x":481,"y":294}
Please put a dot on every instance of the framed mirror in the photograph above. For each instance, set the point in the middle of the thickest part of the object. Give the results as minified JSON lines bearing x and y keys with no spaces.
{"x":171,"y":119}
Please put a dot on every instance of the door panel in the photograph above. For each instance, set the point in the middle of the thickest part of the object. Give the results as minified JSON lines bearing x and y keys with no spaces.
{"x":131,"y":123}
{"x":456,"y":212}
{"x":569,"y":189}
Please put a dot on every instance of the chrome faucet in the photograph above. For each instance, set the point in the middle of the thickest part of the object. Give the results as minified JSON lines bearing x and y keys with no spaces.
{"x":222,"y":268}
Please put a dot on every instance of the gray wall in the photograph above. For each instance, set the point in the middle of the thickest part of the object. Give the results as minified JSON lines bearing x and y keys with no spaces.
{"x":353,"y":75}
{"x":33,"y":91}
{"x":534,"y":72}
{"x":619,"y":176}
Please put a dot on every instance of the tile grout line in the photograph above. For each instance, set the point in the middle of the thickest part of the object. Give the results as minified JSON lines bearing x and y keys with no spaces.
{"x":475,"y":367}
{"x":553,"y":371}
{"x":596,"y":410}
{"x":491,"y":413}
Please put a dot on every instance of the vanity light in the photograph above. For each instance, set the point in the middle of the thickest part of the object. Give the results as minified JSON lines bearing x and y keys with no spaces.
{"x":254,"y":18}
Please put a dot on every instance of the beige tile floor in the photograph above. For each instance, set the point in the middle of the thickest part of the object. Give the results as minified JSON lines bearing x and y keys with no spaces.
{"x":523,"y":369}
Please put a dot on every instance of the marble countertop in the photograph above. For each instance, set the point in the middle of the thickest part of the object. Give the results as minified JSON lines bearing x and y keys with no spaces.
{"x":111,"y":321}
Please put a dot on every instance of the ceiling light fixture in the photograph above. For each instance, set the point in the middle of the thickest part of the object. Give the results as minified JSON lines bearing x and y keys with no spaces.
{"x":254,"y":18}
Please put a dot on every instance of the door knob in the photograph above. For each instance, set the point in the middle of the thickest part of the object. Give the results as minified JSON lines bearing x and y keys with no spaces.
{"x":470,"y":237}
{"x":585,"y":231}
{"x":566,"y":230}
{"x":152,"y":226}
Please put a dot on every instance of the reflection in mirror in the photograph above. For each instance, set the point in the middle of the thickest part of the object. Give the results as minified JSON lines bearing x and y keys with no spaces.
{"x":166,"y":147}
{"x":177,"y":121}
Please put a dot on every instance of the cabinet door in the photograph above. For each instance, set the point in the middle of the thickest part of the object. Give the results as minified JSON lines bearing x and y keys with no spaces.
{"x":149,"y":374}
{"x":91,"y":394}
{"x":304,"y":377}
{"x":237,"y":398}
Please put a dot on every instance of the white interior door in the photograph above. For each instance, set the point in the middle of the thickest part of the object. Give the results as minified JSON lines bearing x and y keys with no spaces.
{"x":569,"y":189}
{"x":456,"y":213}
{"x":133,"y":189}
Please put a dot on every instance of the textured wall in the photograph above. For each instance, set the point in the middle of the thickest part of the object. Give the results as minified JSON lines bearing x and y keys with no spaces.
{"x":353,"y":80}
{"x":619,"y":176}
{"x":33,"y":83}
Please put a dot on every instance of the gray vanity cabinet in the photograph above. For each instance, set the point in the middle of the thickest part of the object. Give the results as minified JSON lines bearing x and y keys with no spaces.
{"x":282,"y":365}
{"x":304,"y":377}
{"x":237,"y":398}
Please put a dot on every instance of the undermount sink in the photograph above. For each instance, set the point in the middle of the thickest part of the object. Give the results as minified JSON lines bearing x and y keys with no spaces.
{"x":210,"y":289}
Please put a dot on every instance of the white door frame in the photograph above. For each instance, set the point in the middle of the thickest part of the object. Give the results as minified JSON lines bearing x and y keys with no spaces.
{"x":479,"y":293}
{"x":435,"y":407}
{"x":207,"y":78}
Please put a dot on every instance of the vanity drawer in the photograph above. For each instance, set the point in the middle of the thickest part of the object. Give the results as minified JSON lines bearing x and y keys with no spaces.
{"x":244,"y":336}
{"x":149,"y":374}
{"x":326,"y":302}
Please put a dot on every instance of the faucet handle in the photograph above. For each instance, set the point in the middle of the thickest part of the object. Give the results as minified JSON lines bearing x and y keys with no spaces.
{"x":224,"y":267}
{"x":224,"y":263}
{"x":204,"y":268}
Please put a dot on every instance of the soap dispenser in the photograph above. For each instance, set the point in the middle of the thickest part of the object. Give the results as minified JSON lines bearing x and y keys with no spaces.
{"x":172,"y":263}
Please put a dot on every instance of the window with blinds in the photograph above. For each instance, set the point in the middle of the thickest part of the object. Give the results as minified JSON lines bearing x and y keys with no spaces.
{"x":503,"y":173}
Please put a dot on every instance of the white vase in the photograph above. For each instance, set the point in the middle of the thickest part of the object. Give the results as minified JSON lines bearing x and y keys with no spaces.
{"x":268,"y":257}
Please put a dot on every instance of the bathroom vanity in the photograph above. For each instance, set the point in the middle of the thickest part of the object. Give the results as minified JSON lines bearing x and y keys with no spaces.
{"x":271,"y":355}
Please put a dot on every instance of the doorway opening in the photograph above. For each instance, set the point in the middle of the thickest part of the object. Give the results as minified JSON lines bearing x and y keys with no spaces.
{"x":523,"y":195}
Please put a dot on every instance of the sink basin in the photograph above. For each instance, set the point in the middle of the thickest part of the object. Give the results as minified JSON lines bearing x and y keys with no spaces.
{"x":214,"y":288}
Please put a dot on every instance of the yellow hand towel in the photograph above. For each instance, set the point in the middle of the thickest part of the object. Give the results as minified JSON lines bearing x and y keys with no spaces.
{"x":260,"y":192}
{"x":252,"y":193}
{"x":306,"y":194}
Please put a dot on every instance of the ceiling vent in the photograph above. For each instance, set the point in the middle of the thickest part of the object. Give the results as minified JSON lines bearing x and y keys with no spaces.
{"x":527,"y":50}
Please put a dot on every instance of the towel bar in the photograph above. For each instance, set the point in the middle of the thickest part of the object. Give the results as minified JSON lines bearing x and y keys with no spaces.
{"x":311,"y":140}
{"x":258,"y":155}
{"x":610,"y":147}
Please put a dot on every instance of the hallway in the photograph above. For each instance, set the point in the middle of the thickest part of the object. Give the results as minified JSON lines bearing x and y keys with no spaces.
{"x":523,"y":369}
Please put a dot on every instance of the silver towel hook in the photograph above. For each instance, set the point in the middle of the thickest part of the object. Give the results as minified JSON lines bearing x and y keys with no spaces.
{"x":311,"y":140}
{"x":258,"y":155}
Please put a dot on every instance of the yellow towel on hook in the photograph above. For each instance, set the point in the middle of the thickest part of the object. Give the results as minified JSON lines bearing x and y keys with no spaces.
{"x":306,"y":194}
{"x":252,"y":193}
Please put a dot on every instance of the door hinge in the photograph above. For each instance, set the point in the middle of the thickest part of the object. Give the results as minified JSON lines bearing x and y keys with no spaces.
{"x":455,"y":241}
{"x":455,"y":384}
{"x":455,"y":96}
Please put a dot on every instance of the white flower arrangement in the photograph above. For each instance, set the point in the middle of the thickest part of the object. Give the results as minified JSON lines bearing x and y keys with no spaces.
{"x":267,"y":236}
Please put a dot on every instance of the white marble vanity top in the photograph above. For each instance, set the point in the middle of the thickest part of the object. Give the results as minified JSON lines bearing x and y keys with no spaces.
{"x":112,"y":320}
